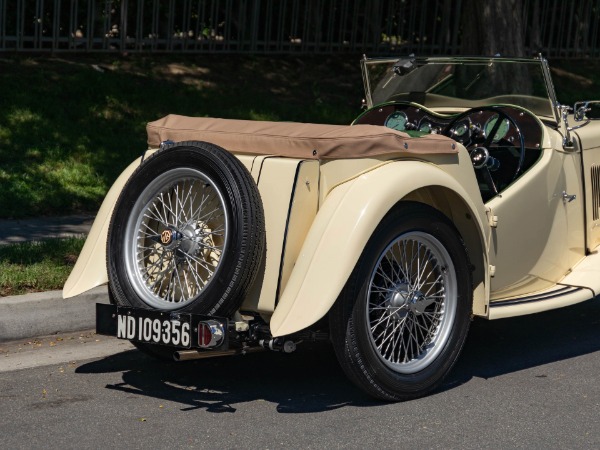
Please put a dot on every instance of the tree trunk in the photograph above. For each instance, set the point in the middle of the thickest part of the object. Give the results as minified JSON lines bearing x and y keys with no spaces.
{"x":492,"y":27}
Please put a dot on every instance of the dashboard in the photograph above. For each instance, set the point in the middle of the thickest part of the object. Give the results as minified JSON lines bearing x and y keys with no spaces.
{"x":461,"y":126}
{"x":504,"y":141}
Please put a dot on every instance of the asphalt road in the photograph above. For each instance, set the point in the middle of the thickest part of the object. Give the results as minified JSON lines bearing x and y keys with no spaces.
{"x":529,"y":382}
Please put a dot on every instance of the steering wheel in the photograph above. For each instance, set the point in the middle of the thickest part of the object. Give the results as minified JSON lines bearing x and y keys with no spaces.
{"x":495,"y":144}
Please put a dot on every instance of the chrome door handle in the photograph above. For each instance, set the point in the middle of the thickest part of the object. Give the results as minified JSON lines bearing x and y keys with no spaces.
{"x":568,"y":198}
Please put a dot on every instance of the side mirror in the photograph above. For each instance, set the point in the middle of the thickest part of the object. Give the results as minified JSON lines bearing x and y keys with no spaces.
{"x":587,"y":110}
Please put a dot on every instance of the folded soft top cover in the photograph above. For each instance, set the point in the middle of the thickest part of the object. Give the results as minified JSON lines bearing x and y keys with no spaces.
{"x":295,"y":140}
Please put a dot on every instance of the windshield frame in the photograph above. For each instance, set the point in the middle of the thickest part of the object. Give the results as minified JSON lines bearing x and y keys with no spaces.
{"x":545,"y":71}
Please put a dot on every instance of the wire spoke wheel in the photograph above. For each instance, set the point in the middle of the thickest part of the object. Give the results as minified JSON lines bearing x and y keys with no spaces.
{"x":180,"y":237}
{"x":411,"y":302}
{"x":400,"y":322}
{"x":187,"y":233}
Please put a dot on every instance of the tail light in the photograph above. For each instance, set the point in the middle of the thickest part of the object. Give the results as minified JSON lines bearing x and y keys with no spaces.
{"x":210,"y":334}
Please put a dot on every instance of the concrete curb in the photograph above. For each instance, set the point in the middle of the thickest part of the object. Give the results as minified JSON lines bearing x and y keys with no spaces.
{"x":44,"y":313}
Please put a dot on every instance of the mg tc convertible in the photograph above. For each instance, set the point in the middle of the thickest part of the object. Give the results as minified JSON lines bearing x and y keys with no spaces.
{"x":463,"y":189}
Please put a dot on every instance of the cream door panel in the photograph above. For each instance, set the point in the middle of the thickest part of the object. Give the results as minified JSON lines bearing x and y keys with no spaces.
{"x":539,"y":235}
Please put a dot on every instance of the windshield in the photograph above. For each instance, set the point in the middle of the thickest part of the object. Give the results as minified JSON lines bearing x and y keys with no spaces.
{"x":459,"y":82}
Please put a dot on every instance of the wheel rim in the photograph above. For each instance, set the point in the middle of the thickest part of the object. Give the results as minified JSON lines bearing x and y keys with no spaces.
{"x":411,"y":302}
{"x":175,"y":237}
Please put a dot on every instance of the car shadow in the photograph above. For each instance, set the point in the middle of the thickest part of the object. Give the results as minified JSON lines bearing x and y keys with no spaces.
{"x":311,"y":380}
{"x":498,"y":347}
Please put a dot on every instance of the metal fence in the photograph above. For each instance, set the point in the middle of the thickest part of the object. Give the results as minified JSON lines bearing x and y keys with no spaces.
{"x":558,"y":28}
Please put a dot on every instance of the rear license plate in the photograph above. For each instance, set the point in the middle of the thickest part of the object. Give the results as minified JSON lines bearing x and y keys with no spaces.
{"x":154,"y":327}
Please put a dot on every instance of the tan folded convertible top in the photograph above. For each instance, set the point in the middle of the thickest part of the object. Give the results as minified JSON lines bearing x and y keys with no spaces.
{"x":295,"y":140}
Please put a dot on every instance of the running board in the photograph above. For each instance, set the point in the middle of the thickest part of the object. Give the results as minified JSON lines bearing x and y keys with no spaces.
{"x":582,"y":283}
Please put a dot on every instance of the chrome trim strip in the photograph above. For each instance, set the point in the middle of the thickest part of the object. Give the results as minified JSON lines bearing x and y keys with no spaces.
{"x":366,"y":82}
{"x":536,"y":298}
{"x":550,"y":88}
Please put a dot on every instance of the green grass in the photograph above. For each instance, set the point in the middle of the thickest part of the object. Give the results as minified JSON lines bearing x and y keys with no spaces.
{"x":69,"y":126}
{"x":37,"y":266}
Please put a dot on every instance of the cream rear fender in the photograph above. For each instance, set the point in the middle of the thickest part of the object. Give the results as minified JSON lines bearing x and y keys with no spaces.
{"x":90,"y":269}
{"x":346,"y":221}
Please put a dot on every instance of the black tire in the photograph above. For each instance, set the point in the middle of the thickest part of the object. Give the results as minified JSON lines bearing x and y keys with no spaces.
{"x":187,"y":233}
{"x":396,"y":334}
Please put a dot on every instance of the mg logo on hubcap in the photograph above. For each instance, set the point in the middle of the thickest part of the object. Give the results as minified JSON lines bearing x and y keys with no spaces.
{"x":166,"y":236}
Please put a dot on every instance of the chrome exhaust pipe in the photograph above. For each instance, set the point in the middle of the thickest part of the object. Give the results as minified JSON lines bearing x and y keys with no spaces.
{"x":187,"y":355}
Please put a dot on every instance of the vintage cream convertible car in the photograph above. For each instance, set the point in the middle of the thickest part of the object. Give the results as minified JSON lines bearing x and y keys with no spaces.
{"x":464,"y":189}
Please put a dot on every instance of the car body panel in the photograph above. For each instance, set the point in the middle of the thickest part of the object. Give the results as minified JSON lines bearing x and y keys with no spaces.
{"x":303,"y":210}
{"x":582,"y":283}
{"x":588,"y":144}
{"x":276,"y":185}
{"x":551,"y":229}
{"x":90,"y":268}
{"x":353,"y":210}
{"x":290,"y":208}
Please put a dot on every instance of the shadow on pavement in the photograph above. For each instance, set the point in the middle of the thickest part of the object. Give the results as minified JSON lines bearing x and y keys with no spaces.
{"x":311,"y":380}
{"x":498,"y":347}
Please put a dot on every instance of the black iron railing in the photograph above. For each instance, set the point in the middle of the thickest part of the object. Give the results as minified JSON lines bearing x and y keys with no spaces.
{"x":557,"y":28}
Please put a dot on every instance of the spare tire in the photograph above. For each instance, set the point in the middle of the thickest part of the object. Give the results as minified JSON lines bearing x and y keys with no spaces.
{"x":187,"y":233}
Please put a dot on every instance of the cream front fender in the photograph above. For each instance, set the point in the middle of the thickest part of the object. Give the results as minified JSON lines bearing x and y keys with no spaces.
{"x":90,"y":269}
{"x":341,"y":230}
